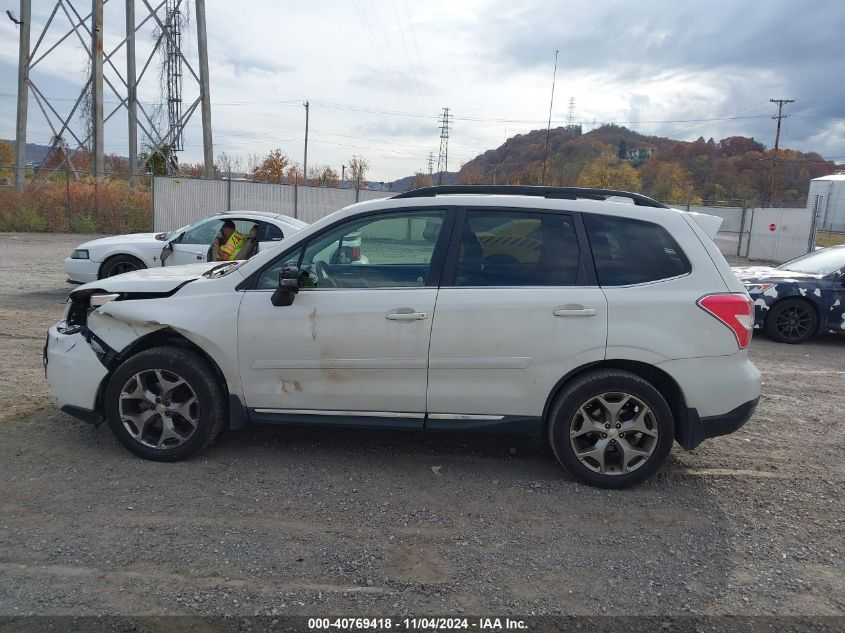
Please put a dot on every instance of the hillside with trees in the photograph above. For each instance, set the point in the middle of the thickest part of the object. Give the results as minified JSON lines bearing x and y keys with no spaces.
{"x":731,"y":170}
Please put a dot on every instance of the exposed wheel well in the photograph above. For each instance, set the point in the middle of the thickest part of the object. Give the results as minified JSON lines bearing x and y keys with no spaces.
{"x":160,"y":338}
{"x":113,"y":257}
{"x":658,"y":378}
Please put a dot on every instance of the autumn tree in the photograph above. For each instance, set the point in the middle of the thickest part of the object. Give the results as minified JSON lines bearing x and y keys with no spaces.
{"x":293,"y":174}
{"x":671,"y":183}
{"x":358,"y":166}
{"x":472,"y":174}
{"x":323,"y":176}
{"x":7,"y":155}
{"x":607,"y":172}
{"x":192,"y":170}
{"x":421,"y":179}
{"x":227,"y":164}
{"x":273,"y":168}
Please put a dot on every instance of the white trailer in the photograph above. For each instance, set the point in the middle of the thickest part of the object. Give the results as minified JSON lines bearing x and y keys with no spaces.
{"x":827,"y":198}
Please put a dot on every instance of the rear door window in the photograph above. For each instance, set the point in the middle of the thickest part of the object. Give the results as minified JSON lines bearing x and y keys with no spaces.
{"x":628,"y":251}
{"x":517,"y":248}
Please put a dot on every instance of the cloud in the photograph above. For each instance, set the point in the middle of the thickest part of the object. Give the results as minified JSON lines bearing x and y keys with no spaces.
{"x":246,"y":65}
{"x":490,"y":61}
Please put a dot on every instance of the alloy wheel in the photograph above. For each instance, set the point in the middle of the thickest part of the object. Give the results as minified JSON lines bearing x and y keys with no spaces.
{"x":793,"y":322}
{"x":159,"y":408}
{"x":613,"y":433}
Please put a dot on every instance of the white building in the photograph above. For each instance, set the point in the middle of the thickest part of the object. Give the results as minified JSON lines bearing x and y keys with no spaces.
{"x":830,"y":191}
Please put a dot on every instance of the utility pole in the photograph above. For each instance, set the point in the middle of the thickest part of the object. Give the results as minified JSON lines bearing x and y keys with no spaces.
{"x":131,"y":91}
{"x":305,"y":160}
{"x":205,"y":94}
{"x":97,"y":165}
{"x":549,"y":127}
{"x":780,"y":115}
{"x":23,"y":94}
{"x":443,"y":156}
{"x":342,"y":176}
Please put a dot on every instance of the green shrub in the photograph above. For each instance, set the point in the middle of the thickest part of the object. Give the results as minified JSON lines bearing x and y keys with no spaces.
{"x":83,"y":224}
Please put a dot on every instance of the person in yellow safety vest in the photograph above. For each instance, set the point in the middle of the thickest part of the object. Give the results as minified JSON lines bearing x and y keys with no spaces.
{"x":228,"y":243}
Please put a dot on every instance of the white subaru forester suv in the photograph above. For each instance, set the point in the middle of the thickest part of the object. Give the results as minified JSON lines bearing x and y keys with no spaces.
{"x":601,"y":321}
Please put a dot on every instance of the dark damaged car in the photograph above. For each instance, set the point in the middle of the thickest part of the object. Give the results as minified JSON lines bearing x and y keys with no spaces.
{"x":801,"y":298}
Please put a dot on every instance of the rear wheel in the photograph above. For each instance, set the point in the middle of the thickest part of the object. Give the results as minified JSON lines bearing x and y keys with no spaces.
{"x":791,"y":321}
{"x":165,"y":404}
{"x":120,"y":264}
{"x":611,"y":428}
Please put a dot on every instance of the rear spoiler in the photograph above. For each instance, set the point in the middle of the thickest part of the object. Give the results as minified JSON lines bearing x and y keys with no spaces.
{"x":710,"y":223}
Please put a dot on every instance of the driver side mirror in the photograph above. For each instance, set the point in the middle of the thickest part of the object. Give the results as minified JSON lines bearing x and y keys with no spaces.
{"x":289,"y":282}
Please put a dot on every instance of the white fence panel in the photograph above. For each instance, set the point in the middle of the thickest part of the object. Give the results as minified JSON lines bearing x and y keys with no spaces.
{"x":260,"y":196}
{"x":779,"y":234}
{"x":181,"y":201}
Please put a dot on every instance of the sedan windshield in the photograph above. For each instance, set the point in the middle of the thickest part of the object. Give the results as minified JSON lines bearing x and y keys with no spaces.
{"x":821,"y":262}
{"x":171,"y":234}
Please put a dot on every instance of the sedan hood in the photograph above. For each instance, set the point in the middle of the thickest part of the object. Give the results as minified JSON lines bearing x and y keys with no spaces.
{"x":149,"y":280}
{"x":768,"y":274}
{"x":122,"y":239}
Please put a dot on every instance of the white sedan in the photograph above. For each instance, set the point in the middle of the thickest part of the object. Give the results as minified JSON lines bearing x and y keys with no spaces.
{"x":109,"y":256}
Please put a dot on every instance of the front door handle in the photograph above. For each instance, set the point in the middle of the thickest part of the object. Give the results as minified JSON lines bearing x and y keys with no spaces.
{"x":400,"y":315}
{"x":574,"y":311}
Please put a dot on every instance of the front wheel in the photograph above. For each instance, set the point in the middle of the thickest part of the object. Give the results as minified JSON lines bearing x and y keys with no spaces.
{"x":120,"y":264}
{"x":791,"y":321}
{"x":165,"y":404}
{"x":611,"y":428}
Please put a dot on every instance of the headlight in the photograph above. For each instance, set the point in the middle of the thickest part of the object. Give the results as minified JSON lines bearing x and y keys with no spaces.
{"x":79,"y":253}
{"x":99,"y":300}
{"x":757,"y":288}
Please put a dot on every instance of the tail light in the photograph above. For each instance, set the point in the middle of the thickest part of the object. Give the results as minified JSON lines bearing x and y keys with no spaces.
{"x":356,"y":253}
{"x":736,"y":311}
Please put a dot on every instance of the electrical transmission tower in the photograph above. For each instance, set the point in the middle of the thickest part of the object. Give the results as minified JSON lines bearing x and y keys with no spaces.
{"x":443,"y":157}
{"x":779,"y":116}
{"x":81,"y":125}
{"x":430,"y":163}
{"x":570,"y":115}
{"x":172,"y":35}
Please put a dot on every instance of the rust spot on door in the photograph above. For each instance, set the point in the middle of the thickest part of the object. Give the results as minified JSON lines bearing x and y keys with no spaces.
{"x":290,"y":386}
{"x":312,"y":317}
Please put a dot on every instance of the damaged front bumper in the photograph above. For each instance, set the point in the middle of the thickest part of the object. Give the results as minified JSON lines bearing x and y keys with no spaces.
{"x":74,"y":371}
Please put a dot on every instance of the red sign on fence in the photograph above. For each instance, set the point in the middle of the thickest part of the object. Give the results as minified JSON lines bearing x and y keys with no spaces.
{"x":773,"y":227}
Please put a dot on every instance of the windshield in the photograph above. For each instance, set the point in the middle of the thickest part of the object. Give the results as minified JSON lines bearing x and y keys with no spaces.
{"x":821,"y":262}
{"x":166,"y":237}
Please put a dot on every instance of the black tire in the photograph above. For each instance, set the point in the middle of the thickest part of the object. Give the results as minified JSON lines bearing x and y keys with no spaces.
{"x":210,"y":412}
{"x":582,"y":392}
{"x":792,"y":321}
{"x":120,"y":264}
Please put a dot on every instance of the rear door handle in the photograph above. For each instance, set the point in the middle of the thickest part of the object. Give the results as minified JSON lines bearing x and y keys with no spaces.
{"x":576,"y":312}
{"x":406,"y":316}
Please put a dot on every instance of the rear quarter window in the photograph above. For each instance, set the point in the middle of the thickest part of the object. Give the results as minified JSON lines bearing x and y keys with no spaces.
{"x":627,"y":251}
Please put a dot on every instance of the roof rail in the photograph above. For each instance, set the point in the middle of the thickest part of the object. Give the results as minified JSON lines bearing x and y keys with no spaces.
{"x":564,"y":193}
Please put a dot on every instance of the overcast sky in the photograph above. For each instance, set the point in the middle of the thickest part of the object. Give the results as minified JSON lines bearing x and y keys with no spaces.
{"x":379,"y":72}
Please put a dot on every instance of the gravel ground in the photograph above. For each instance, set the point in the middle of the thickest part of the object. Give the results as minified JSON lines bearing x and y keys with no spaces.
{"x":275,"y":521}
